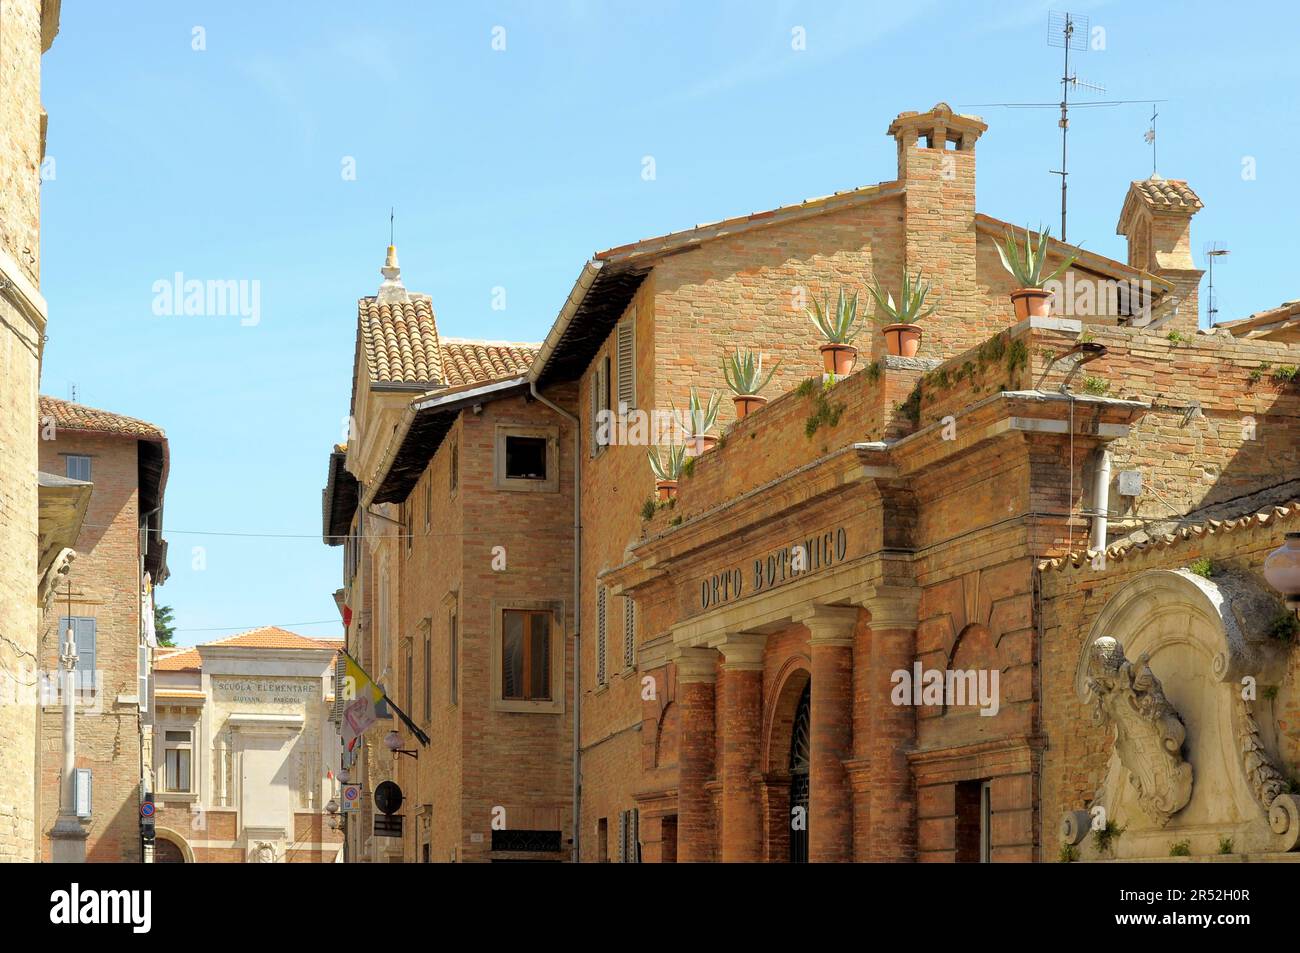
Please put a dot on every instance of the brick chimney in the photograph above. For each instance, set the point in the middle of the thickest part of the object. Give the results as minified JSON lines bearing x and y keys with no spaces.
{"x":936,"y":165}
{"x":1157,"y":221}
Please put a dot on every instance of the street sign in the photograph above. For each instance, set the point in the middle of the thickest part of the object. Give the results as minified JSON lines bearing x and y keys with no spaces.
{"x":351,"y":797}
{"x":388,"y":797}
{"x":83,"y":789}
{"x":388,"y":825}
{"x":146,"y":809}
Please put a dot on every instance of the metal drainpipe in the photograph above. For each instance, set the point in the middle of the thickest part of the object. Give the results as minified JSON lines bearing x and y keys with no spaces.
{"x":577,"y":609}
{"x":1100,"y":501}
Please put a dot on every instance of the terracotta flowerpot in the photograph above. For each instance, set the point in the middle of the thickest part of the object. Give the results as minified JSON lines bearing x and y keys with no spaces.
{"x":1282,"y":567}
{"x":700,"y":444}
{"x":1031,"y":303}
{"x":665,"y":490}
{"x":839,"y":358}
{"x":747,"y":404}
{"x":902,"y":340}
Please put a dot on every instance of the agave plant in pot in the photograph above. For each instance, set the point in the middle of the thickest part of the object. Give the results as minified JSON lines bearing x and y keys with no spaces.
{"x":839,"y":329}
{"x":902,"y":336}
{"x":667,"y":471}
{"x":744,"y":373}
{"x":1030,"y":299}
{"x":701,"y":417}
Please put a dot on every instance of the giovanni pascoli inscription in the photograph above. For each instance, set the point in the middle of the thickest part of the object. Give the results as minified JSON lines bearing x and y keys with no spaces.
{"x":770,"y":570}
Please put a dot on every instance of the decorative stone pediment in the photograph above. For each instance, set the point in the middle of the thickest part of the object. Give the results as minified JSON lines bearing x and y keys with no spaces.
{"x":1149,"y":733}
{"x":1175,"y":666}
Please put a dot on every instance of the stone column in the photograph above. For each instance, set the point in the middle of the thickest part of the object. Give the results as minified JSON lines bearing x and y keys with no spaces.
{"x":695,"y":724}
{"x":830,"y":800}
{"x":742,"y":718}
{"x":893,"y":647}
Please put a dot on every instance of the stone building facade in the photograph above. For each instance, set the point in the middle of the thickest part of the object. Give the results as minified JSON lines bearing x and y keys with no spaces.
{"x":121,"y":558}
{"x":245,"y":738}
{"x":29,"y":28}
{"x":834,"y":643}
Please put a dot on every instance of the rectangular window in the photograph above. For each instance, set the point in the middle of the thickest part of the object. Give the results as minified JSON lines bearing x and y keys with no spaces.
{"x":453,"y":660}
{"x":428,"y":501}
{"x":428,"y":677}
{"x":455,"y":466}
{"x":408,"y":523}
{"x":600,"y":635}
{"x":602,"y":840}
{"x":78,"y":467}
{"x":626,"y":343}
{"x":629,"y":632}
{"x":525,"y":458}
{"x":973,"y":822}
{"x":526,"y":655}
{"x":83,"y":631}
{"x":408,"y":696}
{"x":177,"y":761}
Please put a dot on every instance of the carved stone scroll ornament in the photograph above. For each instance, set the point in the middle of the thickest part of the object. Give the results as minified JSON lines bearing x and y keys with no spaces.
{"x":1149,"y":733}
{"x":1266,"y":781}
{"x":57,"y":572}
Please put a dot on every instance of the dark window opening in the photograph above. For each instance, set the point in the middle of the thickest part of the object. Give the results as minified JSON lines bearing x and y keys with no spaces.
{"x":529,"y":841}
{"x":525,"y":458}
{"x":973,"y":822}
{"x":526,"y":655}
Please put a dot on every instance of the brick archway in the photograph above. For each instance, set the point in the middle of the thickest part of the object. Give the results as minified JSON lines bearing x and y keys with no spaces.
{"x":789,"y":685}
{"x":171,"y":848}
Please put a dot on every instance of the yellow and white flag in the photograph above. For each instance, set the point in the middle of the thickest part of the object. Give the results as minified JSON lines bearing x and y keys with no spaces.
{"x":360,"y":696}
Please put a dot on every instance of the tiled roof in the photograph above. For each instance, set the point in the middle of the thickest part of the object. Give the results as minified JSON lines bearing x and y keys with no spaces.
{"x":1167,"y":193}
{"x":69,"y":416}
{"x":180,"y":660}
{"x":400,"y":340}
{"x":476,"y":362}
{"x":1271,"y":516}
{"x":266,"y":637}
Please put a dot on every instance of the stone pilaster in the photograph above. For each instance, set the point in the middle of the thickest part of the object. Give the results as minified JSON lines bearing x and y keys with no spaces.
{"x":696,"y":675}
{"x":830,"y":798}
{"x":742,"y":713}
{"x":893,"y":727}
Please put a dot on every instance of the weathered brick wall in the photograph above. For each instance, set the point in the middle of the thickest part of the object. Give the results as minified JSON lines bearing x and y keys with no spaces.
{"x":481,"y":758}
{"x":20,"y":154}
{"x":105,"y":586}
{"x":20,"y":110}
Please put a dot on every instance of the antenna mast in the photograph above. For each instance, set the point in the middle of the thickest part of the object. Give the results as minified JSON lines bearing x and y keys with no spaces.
{"x":1073,"y":34}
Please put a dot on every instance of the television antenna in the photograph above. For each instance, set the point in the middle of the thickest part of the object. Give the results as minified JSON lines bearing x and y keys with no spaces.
{"x":1150,"y":137}
{"x":1067,"y":32}
{"x":1212,"y":251}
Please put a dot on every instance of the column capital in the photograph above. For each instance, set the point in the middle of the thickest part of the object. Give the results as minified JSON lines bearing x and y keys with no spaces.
{"x":893,"y":607}
{"x":742,"y":651}
{"x":695,"y":664}
{"x":829,"y":625}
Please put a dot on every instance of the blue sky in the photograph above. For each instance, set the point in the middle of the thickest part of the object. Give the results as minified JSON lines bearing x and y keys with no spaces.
{"x":509,"y":167}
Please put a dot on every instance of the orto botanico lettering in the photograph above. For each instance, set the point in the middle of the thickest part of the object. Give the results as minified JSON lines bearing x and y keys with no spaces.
{"x":774,"y":568}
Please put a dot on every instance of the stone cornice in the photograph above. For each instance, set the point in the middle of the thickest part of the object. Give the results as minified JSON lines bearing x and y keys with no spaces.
{"x":829,"y":625}
{"x":24,"y":294}
{"x":742,"y":651}
{"x":695,"y":664}
{"x":893,"y":607}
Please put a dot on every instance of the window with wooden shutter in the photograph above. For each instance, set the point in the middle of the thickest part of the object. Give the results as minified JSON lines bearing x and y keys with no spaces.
{"x":626,"y":342}
{"x":594,"y":447}
{"x":629,"y":632}
{"x":629,"y":836}
{"x":600,"y":635}
{"x":622,"y":837}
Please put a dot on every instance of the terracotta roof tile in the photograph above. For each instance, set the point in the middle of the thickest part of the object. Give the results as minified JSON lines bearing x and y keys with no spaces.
{"x":69,"y":416}
{"x":1080,"y":558}
{"x":181,"y":660}
{"x":476,"y":362}
{"x":400,"y":340}
{"x":1167,"y":193}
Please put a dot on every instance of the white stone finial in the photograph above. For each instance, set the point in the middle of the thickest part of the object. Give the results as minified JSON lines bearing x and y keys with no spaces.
{"x":391,"y":288}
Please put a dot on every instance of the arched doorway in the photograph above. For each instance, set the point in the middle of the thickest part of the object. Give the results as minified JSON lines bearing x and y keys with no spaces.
{"x":799,"y":760}
{"x":166,"y":852}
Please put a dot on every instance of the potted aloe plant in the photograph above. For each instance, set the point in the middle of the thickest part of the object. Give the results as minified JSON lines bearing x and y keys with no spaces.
{"x":839,"y":329}
{"x":1030,"y":299}
{"x":744,"y":373}
{"x":701,"y":416}
{"x":902,"y":336}
{"x":667,"y":471}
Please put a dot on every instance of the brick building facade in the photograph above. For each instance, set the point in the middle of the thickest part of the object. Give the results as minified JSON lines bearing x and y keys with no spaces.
{"x":29,"y":28}
{"x":745,"y":655}
{"x":121,"y":556}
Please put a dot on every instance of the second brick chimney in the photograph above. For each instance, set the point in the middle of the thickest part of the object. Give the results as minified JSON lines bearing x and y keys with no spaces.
{"x":1157,"y":221}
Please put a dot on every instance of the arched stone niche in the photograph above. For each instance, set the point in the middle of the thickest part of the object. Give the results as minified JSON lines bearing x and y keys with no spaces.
{"x":1164,"y":671}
